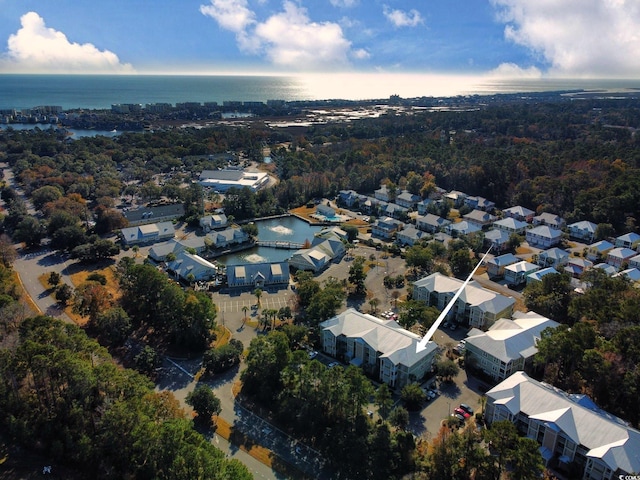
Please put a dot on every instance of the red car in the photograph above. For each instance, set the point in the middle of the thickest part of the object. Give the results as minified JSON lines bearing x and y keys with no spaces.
{"x":460,"y":411}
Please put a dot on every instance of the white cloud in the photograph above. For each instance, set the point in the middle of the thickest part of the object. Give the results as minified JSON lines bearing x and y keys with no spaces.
{"x":288,"y":39}
{"x":35,"y":48}
{"x":344,"y":3}
{"x":231,"y":15}
{"x":400,"y":18}
{"x":361,"y":54}
{"x":511,"y":70}
{"x":590,"y":38}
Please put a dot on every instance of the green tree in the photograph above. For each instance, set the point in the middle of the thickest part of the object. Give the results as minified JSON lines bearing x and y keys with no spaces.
{"x":550,"y":297}
{"x":461,"y":263}
{"x":54,"y":279}
{"x":30,"y":231}
{"x":399,"y":418}
{"x":383,"y":400}
{"x":205,"y":403}
{"x":114,"y":325}
{"x":357,"y":276}
{"x":63,"y":293}
{"x":447,"y":369}
{"x":258,"y":293}
{"x":44,"y":195}
{"x":412,"y":396}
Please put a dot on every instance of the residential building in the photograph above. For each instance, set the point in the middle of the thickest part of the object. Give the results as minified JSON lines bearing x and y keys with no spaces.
{"x":538,"y":274}
{"x":511,"y":225}
{"x":407,"y":199}
{"x":554,"y":257}
{"x":410,"y":235}
{"x":348,"y":197}
{"x":191,"y":268}
{"x":462,"y":228}
{"x":516,"y":274}
{"x":480,"y":203}
{"x":223,"y":180}
{"x":476,"y":306}
{"x":147,"y":234}
{"x":610,"y":270}
{"x":213,"y":222}
{"x":325,"y":248}
{"x":543,"y":236}
{"x":628,"y":240}
{"x":258,"y":275}
{"x":498,"y":240}
{"x":385,"y":227}
{"x":519,"y":213}
{"x":598,"y":251}
{"x":583,"y":231}
{"x":577,"y":265}
{"x":161,"y":213}
{"x":391,"y":210}
{"x":226,"y":238}
{"x":549,"y":219}
{"x":633,"y":274}
{"x":634,"y":262}
{"x":431,"y":223}
{"x":325,"y":211}
{"x":496,"y":265}
{"x":572,"y":431}
{"x":382,"y":194}
{"x":456,"y":197}
{"x":422,"y":206}
{"x":480,"y":218}
{"x":508,"y":345}
{"x":382,"y":348}
{"x":619,"y":256}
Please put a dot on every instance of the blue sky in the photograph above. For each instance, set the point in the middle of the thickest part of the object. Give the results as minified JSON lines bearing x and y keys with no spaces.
{"x":522,"y":38}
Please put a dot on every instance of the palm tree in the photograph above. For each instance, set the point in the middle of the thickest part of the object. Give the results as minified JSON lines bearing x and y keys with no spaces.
{"x":374,"y":302}
{"x":258,"y":293}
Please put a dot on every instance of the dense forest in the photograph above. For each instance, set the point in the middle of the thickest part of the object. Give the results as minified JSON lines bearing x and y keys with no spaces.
{"x":61,"y":393}
{"x":578,"y":159}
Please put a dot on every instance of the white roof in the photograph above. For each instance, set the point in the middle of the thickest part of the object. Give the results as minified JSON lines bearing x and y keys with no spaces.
{"x":605,"y":436}
{"x":522,"y":266}
{"x":545,"y":231}
{"x":509,"y":340}
{"x":384,"y":336}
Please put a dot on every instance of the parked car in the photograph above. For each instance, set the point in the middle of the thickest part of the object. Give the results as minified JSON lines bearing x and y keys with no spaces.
{"x":466,"y":408}
{"x":458,"y":417}
{"x":462,"y":412}
{"x":333,"y":364}
{"x":313,"y":354}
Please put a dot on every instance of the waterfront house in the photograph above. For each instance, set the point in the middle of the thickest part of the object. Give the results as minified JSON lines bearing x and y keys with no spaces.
{"x":191,"y":268}
{"x":226,"y":238}
{"x":213,"y":222}
{"x":258,"y":275}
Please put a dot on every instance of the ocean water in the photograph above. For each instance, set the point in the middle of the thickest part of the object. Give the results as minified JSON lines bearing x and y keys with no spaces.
{"x":101,"y":91}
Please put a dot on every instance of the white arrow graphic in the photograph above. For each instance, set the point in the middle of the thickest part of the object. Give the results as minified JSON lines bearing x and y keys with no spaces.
{"x":423,"y":343}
